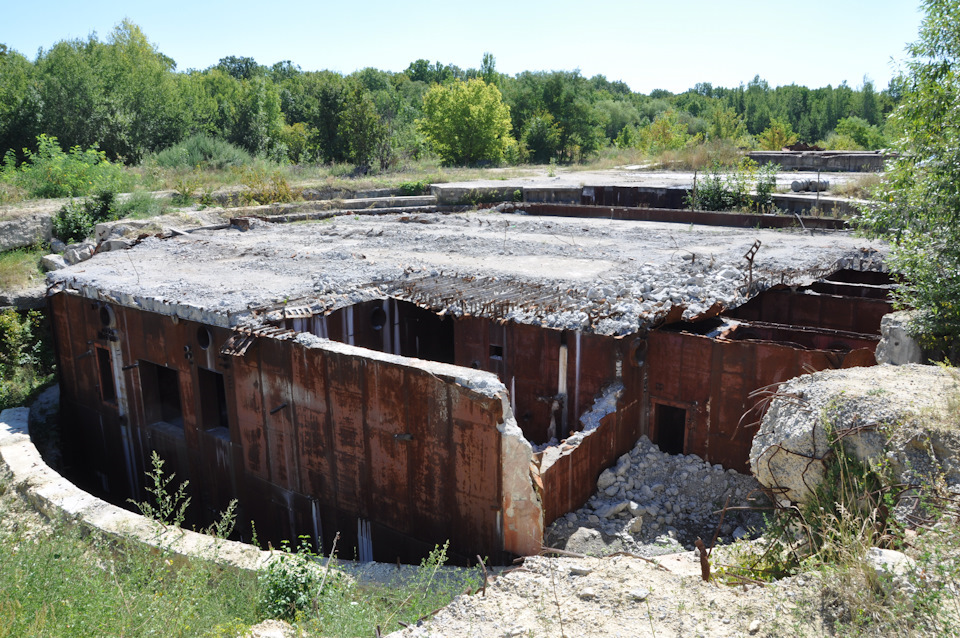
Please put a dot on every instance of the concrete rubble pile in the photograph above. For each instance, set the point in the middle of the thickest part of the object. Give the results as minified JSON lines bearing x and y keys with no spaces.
{"x":651,"y":502}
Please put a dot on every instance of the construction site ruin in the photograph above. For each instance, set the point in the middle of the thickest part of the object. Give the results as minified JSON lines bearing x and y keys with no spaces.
{"x":407,"y":379}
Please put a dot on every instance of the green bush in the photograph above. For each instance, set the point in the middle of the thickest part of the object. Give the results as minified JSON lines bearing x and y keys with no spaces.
{"x":202,"y":151}
{"x":49,"y":172}
{"x":414,"y":188}
{"x":26,"y":356}
{"x":290,"y":585}
{"x":75,"y":221}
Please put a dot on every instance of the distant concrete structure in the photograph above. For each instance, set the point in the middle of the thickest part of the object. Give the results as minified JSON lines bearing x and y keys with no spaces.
{"x":830,"y":161}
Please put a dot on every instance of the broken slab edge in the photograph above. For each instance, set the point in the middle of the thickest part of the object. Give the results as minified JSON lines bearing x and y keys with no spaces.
{"x":57,"y":498}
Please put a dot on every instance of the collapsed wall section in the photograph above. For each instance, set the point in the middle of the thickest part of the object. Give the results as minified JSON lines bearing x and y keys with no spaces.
{"x":313,"y":437}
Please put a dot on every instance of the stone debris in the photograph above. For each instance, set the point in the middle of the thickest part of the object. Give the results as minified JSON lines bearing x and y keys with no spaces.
{"x":652,"y":503}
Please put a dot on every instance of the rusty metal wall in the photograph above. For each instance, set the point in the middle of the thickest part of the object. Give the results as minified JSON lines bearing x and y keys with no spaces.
{"x":712,"y":380}
{"x":784,"y":306}
{"x":316,"y":440}
{"x":572,"y":479}
{"x":529,"y":366}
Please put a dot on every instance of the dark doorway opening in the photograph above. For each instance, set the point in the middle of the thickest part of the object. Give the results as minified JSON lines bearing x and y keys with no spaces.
{"x":161,"y":394}
{"x":670,"y":425}
{"x":213,"y":402}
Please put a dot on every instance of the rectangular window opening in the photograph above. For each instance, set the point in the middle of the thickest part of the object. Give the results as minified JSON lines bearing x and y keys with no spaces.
{"x":496,"y":352}
{"x":108,"y":390}
{"x":160,"y":387}
{"x":213,"y":403}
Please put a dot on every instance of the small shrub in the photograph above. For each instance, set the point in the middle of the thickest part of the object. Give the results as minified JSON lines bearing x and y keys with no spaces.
{"x":166,"y":507}
{"x":26,"y":356}
{"x":75,"y":221}
{"x":264,"y":188}
{"x":138,"y":205}
{"x":49,"y":172}
{"x":290,"y":585}
{"x":202,"y":151}
{"x":414,"y":188}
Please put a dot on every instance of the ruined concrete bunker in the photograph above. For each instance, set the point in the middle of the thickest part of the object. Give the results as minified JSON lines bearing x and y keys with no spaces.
{"x":465,"y":379}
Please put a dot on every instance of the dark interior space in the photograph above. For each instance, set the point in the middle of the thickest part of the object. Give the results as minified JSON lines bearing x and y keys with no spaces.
{"x":213,"y":401}
{"x":108,"y":391}
{"x":670,"y":428}
{"x":161,"y":393}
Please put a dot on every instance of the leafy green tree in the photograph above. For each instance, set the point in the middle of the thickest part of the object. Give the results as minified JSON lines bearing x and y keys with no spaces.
{"x":777,"y":135}
{"x":918,"y":207}
{"x":666,"y":132}
{"x":361,"y":127}
{"x":862,"y":133}
{"x":466,"y":122}
{"x":541,"y":138}
{"x":241,"y":68}
{"x":120,"y":95}
{"x":21,"y":105}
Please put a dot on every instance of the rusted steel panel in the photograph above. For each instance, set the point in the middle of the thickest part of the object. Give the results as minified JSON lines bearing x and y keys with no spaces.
{"x":275,"y":378}
{"x":735,"y":220}
{"x":852,"y":314}
{"x":344,"y":380}
{"x":246,"y":374}
{"x":388,"y":445}
{"x":431,"y":475}
{"x":533,"y":369}
{"x":311,"y":418}
{"x":572,"y":479}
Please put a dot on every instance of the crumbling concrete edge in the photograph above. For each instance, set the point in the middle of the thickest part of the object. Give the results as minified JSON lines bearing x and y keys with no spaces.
{"x":57,"y":498}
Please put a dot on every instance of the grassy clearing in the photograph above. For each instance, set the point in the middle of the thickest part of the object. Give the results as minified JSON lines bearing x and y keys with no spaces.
{"x":21,"y":268}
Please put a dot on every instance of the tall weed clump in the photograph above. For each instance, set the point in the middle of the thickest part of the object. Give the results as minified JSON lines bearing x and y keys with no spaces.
{"x":203,"y":152}
{"x":51,"y":172}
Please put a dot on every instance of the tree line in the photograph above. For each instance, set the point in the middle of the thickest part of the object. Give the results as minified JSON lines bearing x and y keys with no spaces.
{"x":127,"y":98}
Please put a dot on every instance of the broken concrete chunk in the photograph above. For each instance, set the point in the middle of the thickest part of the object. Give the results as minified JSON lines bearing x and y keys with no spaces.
{"x":607,"y":478}
{"x":609,"y":511}
{"x":896,"y":346}
{"x":115,"y":244}
{"x":53,"y":262}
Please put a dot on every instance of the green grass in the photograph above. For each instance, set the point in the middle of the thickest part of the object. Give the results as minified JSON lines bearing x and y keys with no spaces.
{"x":21,"y":268}
{"x":59,"y":580}
{"x":62,"y":582}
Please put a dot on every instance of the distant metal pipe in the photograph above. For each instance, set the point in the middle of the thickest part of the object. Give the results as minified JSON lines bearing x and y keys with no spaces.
{"x":278,"y":408}
{"x":131,"y":366}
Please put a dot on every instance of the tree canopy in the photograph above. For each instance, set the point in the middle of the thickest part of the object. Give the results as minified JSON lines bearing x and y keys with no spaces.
{"x":125,"y":96}
{"x":466,"y":122}
{"x":919,"y":203}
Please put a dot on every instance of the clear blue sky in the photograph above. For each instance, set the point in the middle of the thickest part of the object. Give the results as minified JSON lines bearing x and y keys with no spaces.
{"x":648,"y":44}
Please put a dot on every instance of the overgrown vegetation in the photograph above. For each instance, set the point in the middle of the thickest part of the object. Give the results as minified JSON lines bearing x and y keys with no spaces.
{"x":748,"y":187}
{"x":851,"y":512}
{"x":75,"y":220}
{"x":50,"y":172}
{"x":918,"y":206}
{"x":26,"y":356}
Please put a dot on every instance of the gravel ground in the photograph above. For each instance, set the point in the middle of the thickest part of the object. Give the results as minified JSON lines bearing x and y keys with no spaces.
{"x":624,"y":596}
